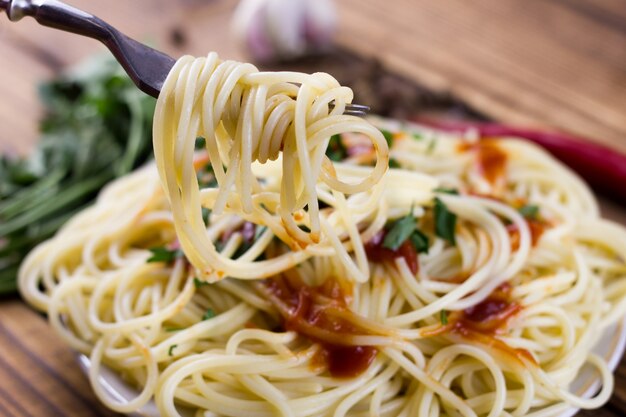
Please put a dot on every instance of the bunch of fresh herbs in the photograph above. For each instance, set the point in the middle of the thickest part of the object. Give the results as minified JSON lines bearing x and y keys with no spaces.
{"x":97,"y":127}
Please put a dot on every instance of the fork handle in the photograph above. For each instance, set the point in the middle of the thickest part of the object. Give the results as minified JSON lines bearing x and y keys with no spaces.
{"x":58,"y":15}
{"x":147,"y":67}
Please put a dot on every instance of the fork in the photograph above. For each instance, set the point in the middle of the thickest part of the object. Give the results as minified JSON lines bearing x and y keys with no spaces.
{"x":146,"y":66}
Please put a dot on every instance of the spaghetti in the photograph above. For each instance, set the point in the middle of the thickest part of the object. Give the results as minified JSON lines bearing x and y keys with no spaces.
{"x":247,"y":116}
{"x":474,"y":280}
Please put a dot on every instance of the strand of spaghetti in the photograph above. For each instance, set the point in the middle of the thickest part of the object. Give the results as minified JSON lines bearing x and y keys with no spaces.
{"x":236,"y":110}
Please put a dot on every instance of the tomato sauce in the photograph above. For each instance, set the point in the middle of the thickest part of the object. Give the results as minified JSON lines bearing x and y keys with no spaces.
{"x":482,"y":322}
{"x":490,"y":159}
{"x":491,"y":315}
{"x":377,"y":253}
{"x":321,"y":314}
{"x":536,"y":227}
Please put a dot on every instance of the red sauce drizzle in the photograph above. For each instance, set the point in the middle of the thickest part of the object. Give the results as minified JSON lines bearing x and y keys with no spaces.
{"x":490,"y":159}
{"x":482,"y":322}
{"x":491,"y":315}
{"x":309,"y":311}
{"x":536,"y":227}
{"x":377,"y":253}
{"x":489,"y":318}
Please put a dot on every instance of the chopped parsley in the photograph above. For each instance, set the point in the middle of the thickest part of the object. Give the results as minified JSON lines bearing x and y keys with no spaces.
{"x":393,"y":163}
{"x":336,"y":150}
{"x":419,"y":241}
{"x":399,"y":232}
{"x":388,"y":137}
{"x":445,"y":190}
{"x":443,"y":317}
{"x":529,"y":211}
{"x":403,"y":229}
{"x":206,"y":214}
{"x":259,"y":232}
{"x":445,"y":221}
{"x":208,"y":315}
{"x":171,"y":350}
{"x":417,"y":136}
{"x":200,"y":143}
{"x":199,"y":283}
{"x":173,"y":329}
{"x":163,"y":254}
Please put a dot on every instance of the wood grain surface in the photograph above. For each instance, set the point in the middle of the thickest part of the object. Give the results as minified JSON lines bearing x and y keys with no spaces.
{"x":555,"y":64}
{"x":559,"y":64}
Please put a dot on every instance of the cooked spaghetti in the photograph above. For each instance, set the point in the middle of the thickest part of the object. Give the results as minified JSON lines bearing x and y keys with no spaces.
{"x":473,"y":280}
{"x":248,"y":116}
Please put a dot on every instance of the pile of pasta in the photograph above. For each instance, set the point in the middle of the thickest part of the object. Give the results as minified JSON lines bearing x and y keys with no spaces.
{"x":300,"y":262}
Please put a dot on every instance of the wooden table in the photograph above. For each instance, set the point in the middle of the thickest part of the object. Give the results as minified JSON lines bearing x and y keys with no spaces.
{"x":556,"y":64}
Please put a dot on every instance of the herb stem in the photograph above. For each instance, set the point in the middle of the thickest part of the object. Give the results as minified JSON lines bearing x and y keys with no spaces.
{"x":74,"y":192}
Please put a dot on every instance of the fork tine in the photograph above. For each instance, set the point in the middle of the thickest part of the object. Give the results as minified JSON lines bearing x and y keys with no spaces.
{"x":355,"y":113}
{"x":353,"y":109}
{"x":358,"y":108}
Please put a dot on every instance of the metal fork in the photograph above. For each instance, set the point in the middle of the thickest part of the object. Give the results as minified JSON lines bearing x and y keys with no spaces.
{"x":146,"y":66}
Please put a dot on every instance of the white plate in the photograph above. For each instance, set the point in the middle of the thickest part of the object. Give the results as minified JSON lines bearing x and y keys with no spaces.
{"x":610,"y":346}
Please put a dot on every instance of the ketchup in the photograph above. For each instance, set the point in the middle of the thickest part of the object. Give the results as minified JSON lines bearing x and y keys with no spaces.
{"x":321,"y":314}
{"x":536,"y":227}
{"x":491,"y":315}
{"x":482,"y":322}
{"x":490,"y":159}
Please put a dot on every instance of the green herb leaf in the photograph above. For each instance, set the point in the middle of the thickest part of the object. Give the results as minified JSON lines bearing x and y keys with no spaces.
{"x":206,"y":214}
{"x":420,"y":241}
{"x":399,"y":232}
{"x":529,"y":211}
{"x":445,"y":221}
{"x":162,"y":254}
{"x":336,"y":151}
{"x":219,"y":245}
{"x":97,"y":126}
{"x":258,"y":232}
{"x":443,"y":317}
{"x":445,"y":190}
{"x":200,"y":143}
{"x":199,"y":283}
{"x":208,"y":315}
{"x":417,"y":136}
{"x":388,"y":137}
{"x":394,"y":163}
{"x":170,"y":351}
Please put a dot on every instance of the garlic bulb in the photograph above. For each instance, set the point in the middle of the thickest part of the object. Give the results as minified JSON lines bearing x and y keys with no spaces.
{"x":284,"y":29}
